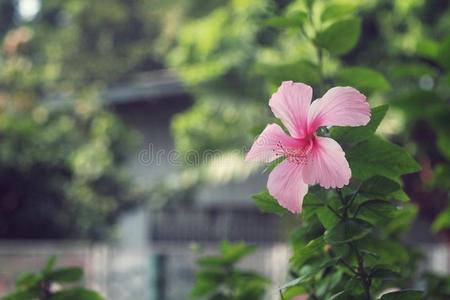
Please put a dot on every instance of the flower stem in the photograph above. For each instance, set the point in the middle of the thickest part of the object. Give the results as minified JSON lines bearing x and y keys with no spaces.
{"x":361,"y":271}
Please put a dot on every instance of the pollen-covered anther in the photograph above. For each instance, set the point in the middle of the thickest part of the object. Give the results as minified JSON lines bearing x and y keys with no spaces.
{"x":296,"y":155}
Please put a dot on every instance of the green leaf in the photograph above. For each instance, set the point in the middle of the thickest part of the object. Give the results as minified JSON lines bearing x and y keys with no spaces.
{"x":292,"y":292}
{"x":326,"y":216}
{"x":376,"y":212}
{"x":382,"y":188}
{"x":412,"y":104}
{"x":364,"y":79}
{"x":328,"y":283}
{"x":268,"y":204}
{"x":400,"y":195}
{"x":443,"y":56}
{"x":202,"y":288}
{"x":26,"y":280}
{"x":403,"y":295}
{"x":442,"y":221}
{"x":311,"y":203}
{"x":339,"y":296}
{"x":427,"y":48}
{"x":76,"y":294}
{"x":22,"y":295}
{"x":232,"y":252}
{"x":296,"y":281}
{"x":308,"y":272}
{"x":411,"y":70}
{"x":347,"y":231}
{"x":376,"y":156}
{"x":402,"y":219}
{"x":301,"y":71}
{"x":273,"y":164}
{"x":337,"y":11}
{"x":350,"y":135}
{"x":211,"y":261}
{"x":65,"y":275}
{"x":295,"y":20}
{"x":340,"y":37}
{"x":50,"y":264}
{"x":383,"y":273}
{"x":313,"y":248}
{"x":378,"y":186}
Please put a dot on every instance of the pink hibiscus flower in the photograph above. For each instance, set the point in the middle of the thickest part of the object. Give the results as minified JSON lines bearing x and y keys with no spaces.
{"x":310,"y":159}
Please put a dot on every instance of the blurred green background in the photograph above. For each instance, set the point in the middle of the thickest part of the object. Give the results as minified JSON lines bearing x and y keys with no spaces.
{"x":67,"y":149}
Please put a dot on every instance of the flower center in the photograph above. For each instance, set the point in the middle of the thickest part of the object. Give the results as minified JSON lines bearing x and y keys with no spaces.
{"x":297,"y":155}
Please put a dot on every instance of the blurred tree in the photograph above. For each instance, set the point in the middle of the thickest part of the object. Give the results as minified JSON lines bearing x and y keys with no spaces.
{"x":62,"y":153}
{"x":220,"y":278}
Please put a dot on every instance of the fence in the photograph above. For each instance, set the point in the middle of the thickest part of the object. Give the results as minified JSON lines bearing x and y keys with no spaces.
{"x":162,"y":272}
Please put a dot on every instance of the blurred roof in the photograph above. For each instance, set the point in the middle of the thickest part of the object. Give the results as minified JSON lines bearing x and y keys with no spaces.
{"x":145,"y":86}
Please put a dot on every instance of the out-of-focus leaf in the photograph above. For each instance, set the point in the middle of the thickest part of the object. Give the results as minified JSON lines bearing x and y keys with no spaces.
{"x":444,"y":142}
{"x":340,"y":37}
{"x":441,"y":176}
{"x":294,"y":19}
{"x":22,"y":295}
{"x":403,"y":295}
{"x":402,"y":219}
{"x":411,"y":70}
{"x":210,"y":261}
{"x":376,"y":156}
{"x":443,"y":54}
{"x":268,"y":204}
{"x":202,"y":288}
{"x":364,"y":79}
{"x":337,"y":11}
{"x":350,"y":135}
{"x":65,"y":275}
{"x":26,"y":280}
{"x":442,"y":221}
{"x":300,"y":71}
{"x":427,"y":48}
{"x":418,"y":104}
{"x":232,"y":252}
{"x":50,"y":264}
{"x":76,"y":294}
{"x":347,"y":231}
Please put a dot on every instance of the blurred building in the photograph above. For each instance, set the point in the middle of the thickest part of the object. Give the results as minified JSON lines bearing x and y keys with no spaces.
{"x":206,"y":215}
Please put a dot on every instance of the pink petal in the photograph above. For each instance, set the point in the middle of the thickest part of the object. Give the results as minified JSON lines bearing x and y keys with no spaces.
{"x":327,"y":165}
{"x":286,"y":185}
{"x":291,"y":104}
{"x":340,"y":106}
{"x":267,"y":146}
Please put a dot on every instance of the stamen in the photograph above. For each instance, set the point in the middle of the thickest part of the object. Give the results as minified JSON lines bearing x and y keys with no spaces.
{"x":294,"y":155}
